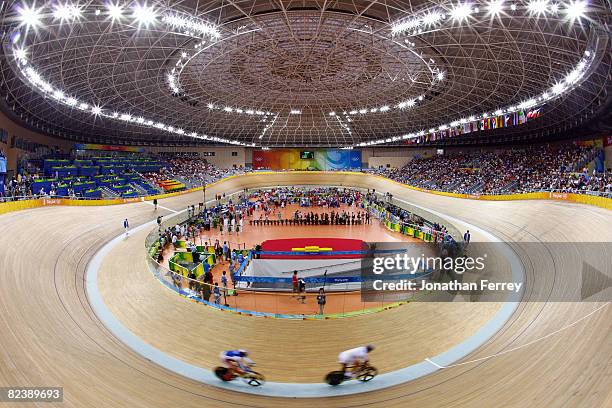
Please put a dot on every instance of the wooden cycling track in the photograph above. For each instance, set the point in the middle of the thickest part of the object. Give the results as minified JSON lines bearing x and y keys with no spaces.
{"x":549,"y":354}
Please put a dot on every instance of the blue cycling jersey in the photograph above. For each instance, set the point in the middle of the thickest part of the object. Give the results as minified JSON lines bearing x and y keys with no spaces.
{"x":234,"y":353}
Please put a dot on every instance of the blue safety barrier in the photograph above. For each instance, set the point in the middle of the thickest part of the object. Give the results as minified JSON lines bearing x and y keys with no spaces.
{"x":331,"y":279}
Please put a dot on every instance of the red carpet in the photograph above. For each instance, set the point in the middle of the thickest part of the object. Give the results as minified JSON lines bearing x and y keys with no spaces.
{"x":312,"y":248}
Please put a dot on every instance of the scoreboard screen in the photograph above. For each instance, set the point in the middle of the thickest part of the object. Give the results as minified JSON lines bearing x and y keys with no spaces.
{"x":306,"y":155}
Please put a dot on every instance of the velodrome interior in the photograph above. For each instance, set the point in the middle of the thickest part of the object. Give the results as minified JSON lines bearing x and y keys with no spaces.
{"x":539,"y":356}
{"x":458,"y":126}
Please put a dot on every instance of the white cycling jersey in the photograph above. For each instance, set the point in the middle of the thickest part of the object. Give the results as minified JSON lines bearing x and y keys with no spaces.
{"x":351,"y":356}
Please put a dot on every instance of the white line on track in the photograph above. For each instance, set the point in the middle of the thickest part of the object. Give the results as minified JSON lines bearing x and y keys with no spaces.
{"x":161,"y":206}
{"x":526,"y":344}
{"x":436,"y":364}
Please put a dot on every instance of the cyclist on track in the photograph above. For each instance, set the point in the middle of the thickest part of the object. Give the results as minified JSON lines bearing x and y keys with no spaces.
{"x":236,"y":361}
{"x":354,"y":359}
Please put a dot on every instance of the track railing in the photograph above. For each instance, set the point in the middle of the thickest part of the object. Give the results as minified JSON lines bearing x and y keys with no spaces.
{"x":246,"y":295}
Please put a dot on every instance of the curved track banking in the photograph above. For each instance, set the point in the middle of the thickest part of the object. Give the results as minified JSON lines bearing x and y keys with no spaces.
{"x":50,"y":335}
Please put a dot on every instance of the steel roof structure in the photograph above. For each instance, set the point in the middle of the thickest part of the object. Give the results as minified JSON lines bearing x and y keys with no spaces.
{"x":296,"y":73}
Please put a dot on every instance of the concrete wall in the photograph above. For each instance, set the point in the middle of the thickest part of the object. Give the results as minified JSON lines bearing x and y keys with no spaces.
{"x":607,"y":142}
{"x":13,"y":154}
{"x":224,"y":157}
{"x":394,"y":157}
{"x":388,"y":162}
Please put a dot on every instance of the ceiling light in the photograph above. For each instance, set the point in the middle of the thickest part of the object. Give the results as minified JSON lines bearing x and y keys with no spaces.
{"x":362,"y":111}
{"x":71,"y":101}
{"x":191,"y":25}
{"x":115,"y":11}
{"x":575,"y":10}
{"x":407,"y":104}
{"x":527,"y":104}
{"x":461,"y":11}
{"x":20,"y":54}
{"x":440,"y":76}
{"x":332,"y":113}
{"x":295,"y":111}
{"x":573,"y":76}
{"x":228,"y":109}
{"x":495,"y":7}
{"x":144,"y":15}
{"x":96,"y":110}
{"x":537,"y":6}
{"x":33,"y":75}
{"x":29,"y":16}
{"x":66,"y":12}
{"x":432,"y":18}
{"x":84,"y":106}
{"x":407,"y":25}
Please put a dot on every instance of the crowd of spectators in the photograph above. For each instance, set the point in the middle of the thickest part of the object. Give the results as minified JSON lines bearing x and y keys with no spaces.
{"x":561,"y":167}
{"x":156,"y":178}
{"x":18,"y":186}
{"x":193,"y":170}
{"x":541,"y":168}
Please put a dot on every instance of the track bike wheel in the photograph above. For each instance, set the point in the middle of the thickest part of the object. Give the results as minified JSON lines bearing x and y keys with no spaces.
{"x":254,"y":379}
{"x":367,"y":374}
{"x":223,"y":374}
{"x":334,"y":378}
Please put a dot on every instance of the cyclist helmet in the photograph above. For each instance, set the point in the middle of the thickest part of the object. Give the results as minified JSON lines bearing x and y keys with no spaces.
{"x":243,"y":353}
{"x":369,"y":347}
